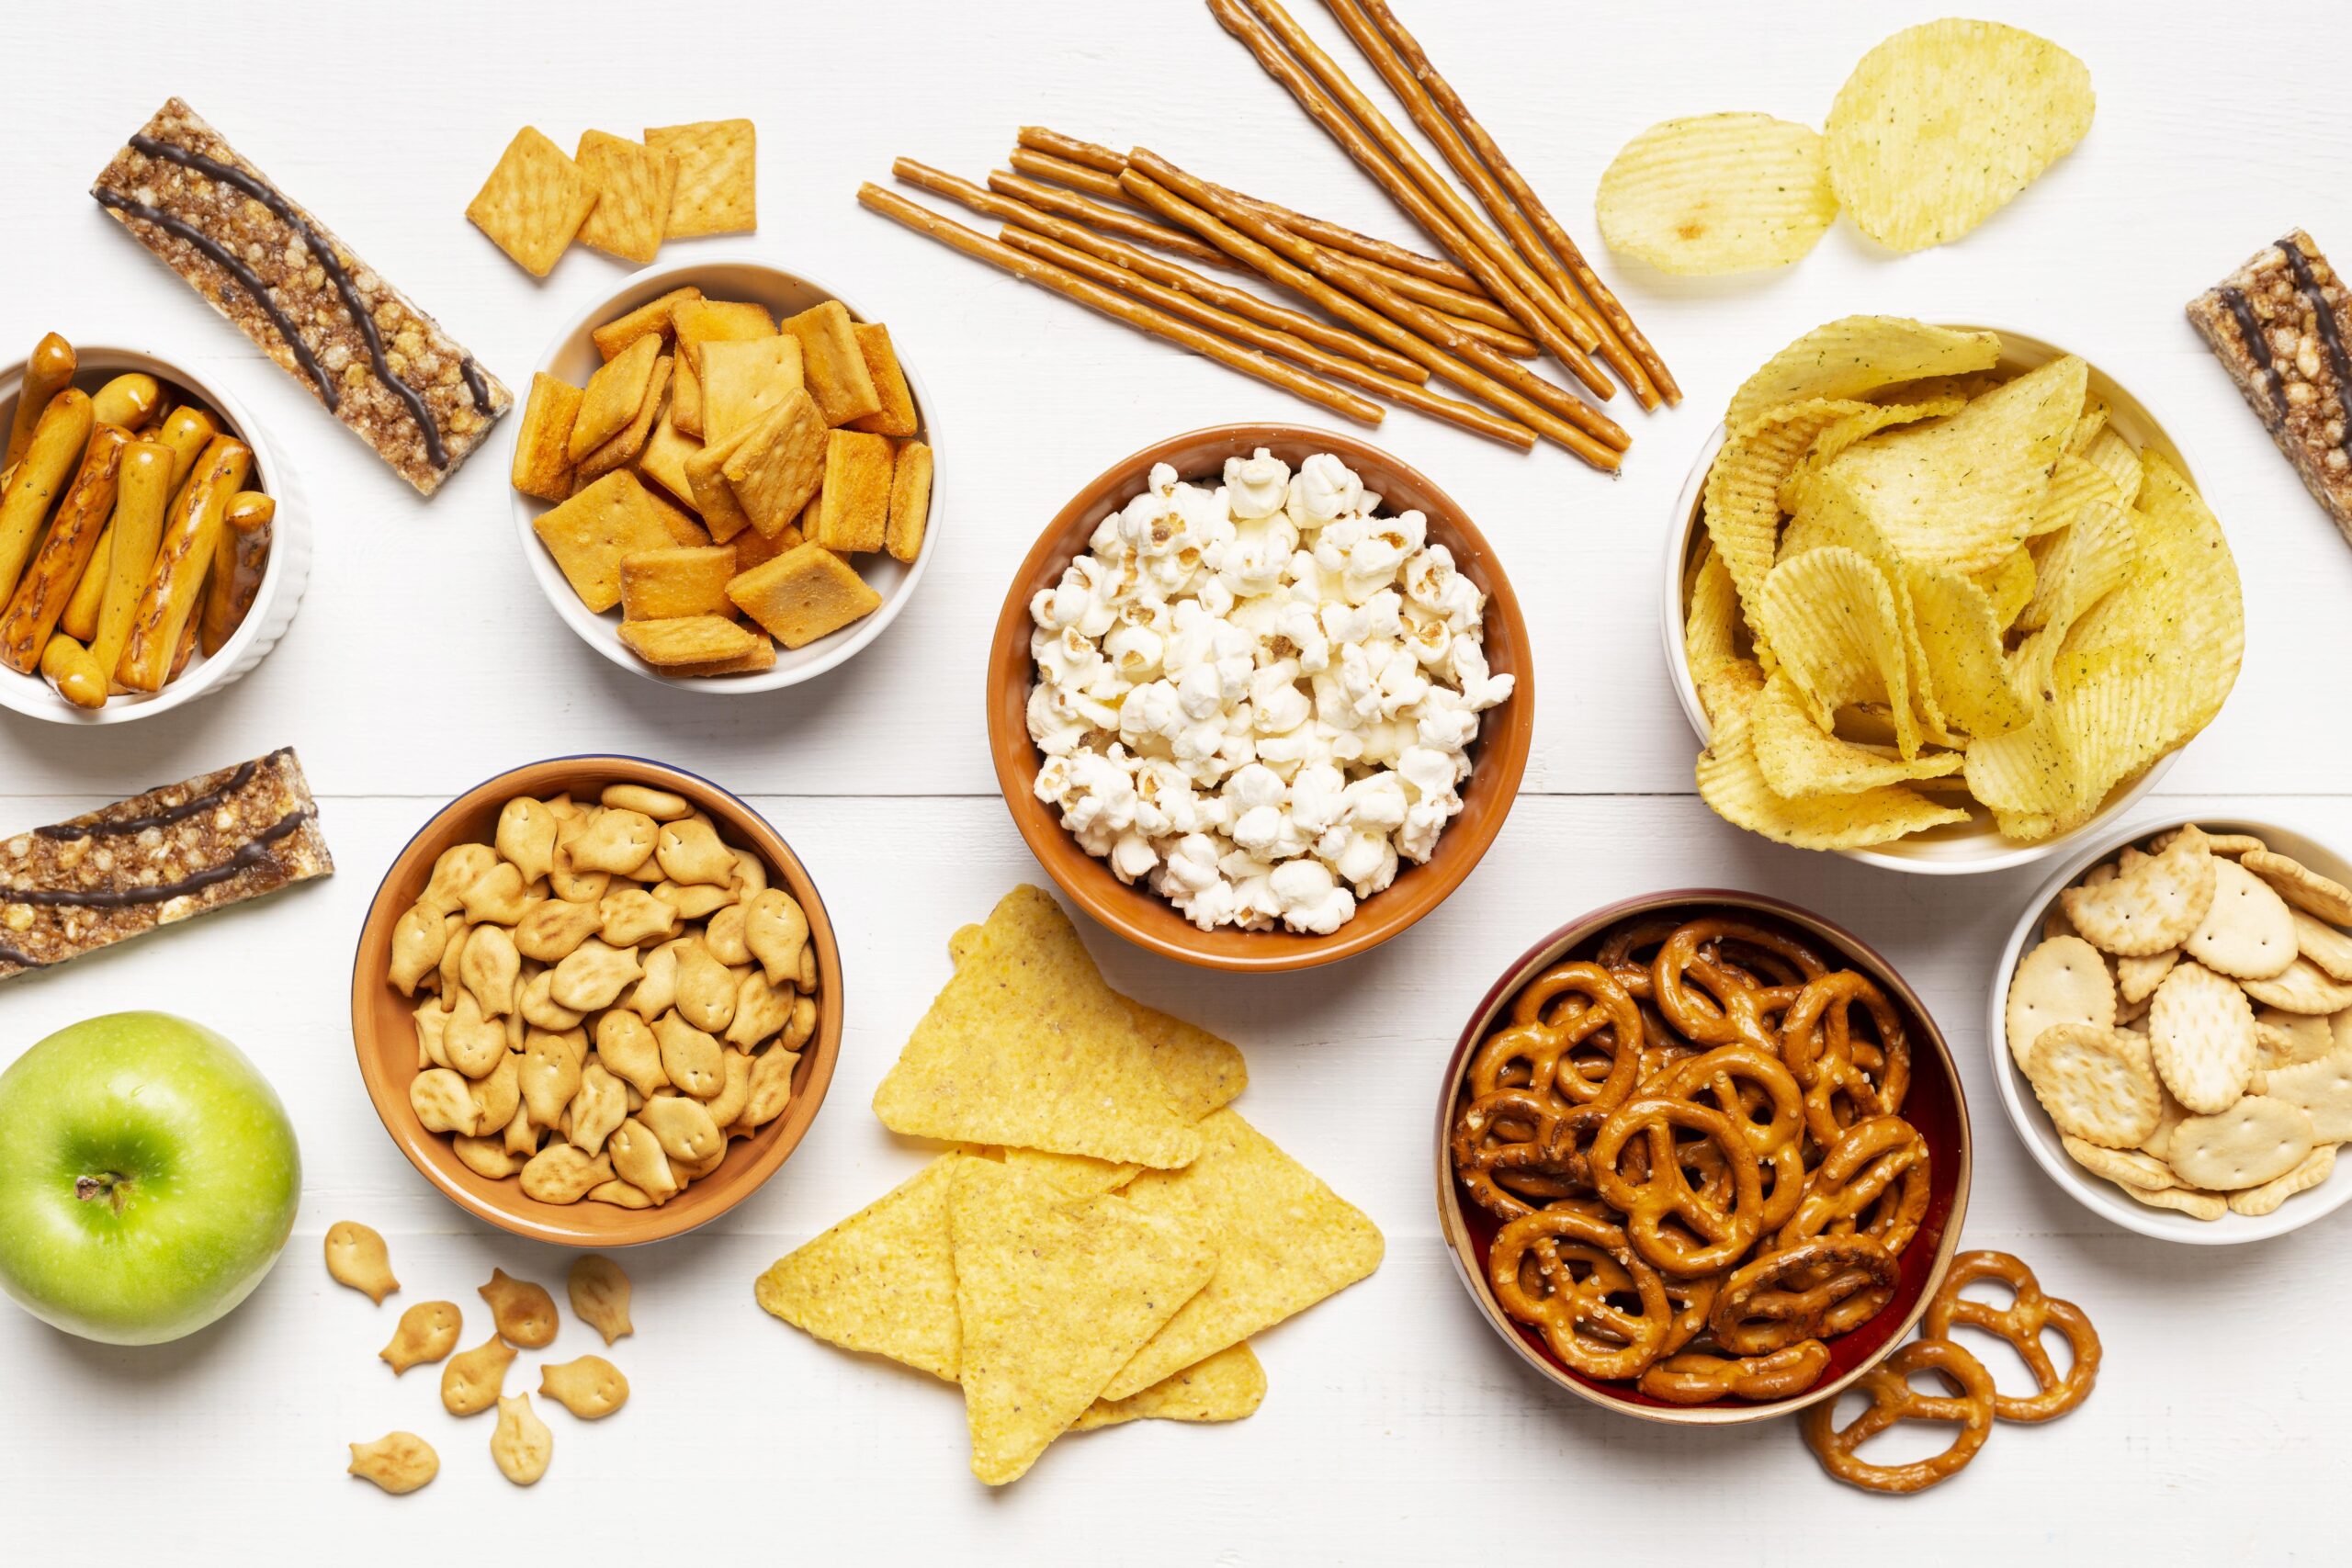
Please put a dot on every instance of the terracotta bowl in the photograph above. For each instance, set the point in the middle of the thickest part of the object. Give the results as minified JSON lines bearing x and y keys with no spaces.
{"x":386,"y":1036}
{"x":1935,"y":1105}
{"x":1136,"y":912}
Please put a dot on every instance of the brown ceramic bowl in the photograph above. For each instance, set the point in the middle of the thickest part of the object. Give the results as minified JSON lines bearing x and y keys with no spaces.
{"x":1935,"y":1105}
{"x":386,"y":1036}
{"x":1137,"y":913}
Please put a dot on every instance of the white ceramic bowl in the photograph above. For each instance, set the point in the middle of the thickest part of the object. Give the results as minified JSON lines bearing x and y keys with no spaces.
{"x":2033,"y":1125}
{"x":282,"y":581}
{"x":1965,"y":846}
{"x":572,"y":357}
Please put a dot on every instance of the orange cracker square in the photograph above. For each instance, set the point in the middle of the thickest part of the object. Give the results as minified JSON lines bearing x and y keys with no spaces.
{"x":653,"y":316}
{"x":780,"y":462}
{"x":533,"y":203}
{"x":635,"y":183}
{"x":897,"y":415}
{"x":718,"y":185}
{"x":832,"y":363}
{"x":543,"y":448}
{"x":803,"y":595}
{"x":589,"y":535}
{"x":856,"y":511}
{"x":742,"y":381}
{"x":910,"y":500}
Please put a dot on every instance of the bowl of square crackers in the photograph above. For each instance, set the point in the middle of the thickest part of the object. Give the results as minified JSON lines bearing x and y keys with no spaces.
{"x":722,"y":477}
{"x":2171,"y":1027}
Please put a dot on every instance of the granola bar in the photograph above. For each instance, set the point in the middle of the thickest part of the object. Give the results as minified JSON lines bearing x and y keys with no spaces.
{"x":121,"y":871}
{"x":2279,"y":324}
{"x":380,"y":365}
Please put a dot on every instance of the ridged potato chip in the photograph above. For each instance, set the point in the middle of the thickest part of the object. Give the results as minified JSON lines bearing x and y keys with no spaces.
{"x":1868,"y":419}
{"x":1709,"y":628}
{"x":1743,"y":500}
{"x":1831,"y":619}
{"x":1940,"y":125}
{"x":1959,"y":636}
{"x":1855,"y":354}
{"x":1716,"y":194}
{"x":1801,"y":760}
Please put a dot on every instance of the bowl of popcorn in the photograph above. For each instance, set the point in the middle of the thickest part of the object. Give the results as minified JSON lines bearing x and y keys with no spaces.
{"x":1258,"y":697}
{"x":2171,"y":1028}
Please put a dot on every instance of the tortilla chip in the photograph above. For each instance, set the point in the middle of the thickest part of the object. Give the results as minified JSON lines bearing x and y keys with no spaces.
{"x":1227,"y":1386}
{"x":1082,"y":1176}
{"x":1285,"y":1241}
{"x":634,"y":184}
{"x":882,"y":1280}
{"x":1054,"y":1294}
{"x":1026,"y":1046}
{"x":717,"y":187}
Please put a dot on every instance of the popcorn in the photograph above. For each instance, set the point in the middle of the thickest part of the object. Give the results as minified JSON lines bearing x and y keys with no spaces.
{"x":1258,"y":698}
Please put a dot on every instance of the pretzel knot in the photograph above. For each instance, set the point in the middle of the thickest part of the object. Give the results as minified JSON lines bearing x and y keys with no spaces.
{"x":1697,"y":1378}
{"x":2020,"y":1323}
{"x":1559,"y":1042}
{"x":1969,"y":1406}
{"x":1564,"y":1274}
{"x":1778,"y":1141}
{"x":1783,"y":1297}
{"x":1854,"y":1187}
{"x":1724,"y":1231}
{"x":1817,"y":1042}
{"x":1511,"y":1144}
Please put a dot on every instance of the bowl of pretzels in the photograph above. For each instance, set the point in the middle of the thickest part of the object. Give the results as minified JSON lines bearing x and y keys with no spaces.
{"x":1703,"y":1158}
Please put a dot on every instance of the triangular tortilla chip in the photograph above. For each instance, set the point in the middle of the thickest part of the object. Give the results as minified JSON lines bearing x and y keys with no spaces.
{"x":882,"y":1280}
{"x":1227,"y":1387}
{"x":1028,"y":1046}
{"x":1055,"y":1294}
{"x":1286,"y":1240}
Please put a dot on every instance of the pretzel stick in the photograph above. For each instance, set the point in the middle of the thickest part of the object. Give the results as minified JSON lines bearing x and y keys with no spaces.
{"x":1325,"y":110}
{"x":1110,"y":160}
{"x":1612,"y":315}
{"x":1146,"y":168}
{"x":1253,"y":251}
{"x":1159,"y":323}
{"x":1113,"y":220}
{"x":1177,"y":304}
{"x":1167,"y":274}
{"x":1097,"y":183}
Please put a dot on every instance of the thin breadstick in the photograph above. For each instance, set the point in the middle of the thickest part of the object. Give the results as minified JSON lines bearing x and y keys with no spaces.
{"x":1096,"y":183}
{"x":1110,"y":160}
{"x":1167,"y":274}
{"x":1143,"y":318}
{"x":1325,"y":110}
{"x":1177,"y":304}
{"x":1612,"y":315}
{"x":1099,"y":215}
{"x":1258,"y":249}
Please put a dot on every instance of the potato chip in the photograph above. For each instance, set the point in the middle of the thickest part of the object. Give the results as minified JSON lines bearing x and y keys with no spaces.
{"x":2111,"y":455}
{"x":634,"y":182}
{"x":2074,"y":483}
{"x":1716,"y":194}
{"x":1710,"y":627}
{"x":1960,"y":494}
{"x":1730,"y":781}
{"x":1284,"y":1242}
{"x":2084,"y":563}
{"x":2009,"y":585}
{"x":1940,"y":125}
{"x":1227,"y":1386}
{"x":1832,"y":618}
{"x":882,"y":1280}
{"x":718,"y":186}
{"x":1742,"y":509}
{"x":1055,"y":1294}
{"x":1801,"y":760}
{"x":533,"y":203}
{"x":1868,"y":419}
{"x":1028,"y":1045}
{"x":2086,"y":428}
{"x":590,"y":534}
{"x":1959,"y":636}
{"x":1855,"y":354}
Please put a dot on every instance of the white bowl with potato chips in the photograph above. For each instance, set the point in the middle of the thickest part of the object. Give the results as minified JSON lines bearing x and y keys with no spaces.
{"x":860,"y":594}
{"x":1946,"y":527}
{"x":2059,"y":992}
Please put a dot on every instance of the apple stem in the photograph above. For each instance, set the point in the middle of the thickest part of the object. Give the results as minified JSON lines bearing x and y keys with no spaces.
{"x":111,"y":1186}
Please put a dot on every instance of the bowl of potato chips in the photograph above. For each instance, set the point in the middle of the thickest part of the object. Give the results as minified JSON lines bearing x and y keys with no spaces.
{"x":1942,"y":598}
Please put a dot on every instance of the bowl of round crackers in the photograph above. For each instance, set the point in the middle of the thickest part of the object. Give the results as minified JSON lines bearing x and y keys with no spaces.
{"x":1942,"y":598}
{"x":2171,"y":1028}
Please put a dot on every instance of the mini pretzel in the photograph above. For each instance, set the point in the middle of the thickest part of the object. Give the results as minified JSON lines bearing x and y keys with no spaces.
{"x":1816,"y":1041}
{"x":1605,"y":1006}
{"x":1786,"y":1296}
{"x":1697,"y":1378}
{"x":1694,"y":1304}
{"x":1573,"y":1311}
{"x":1894,"y":1400}
{"x":1725,"y":1233}
{"x":1521,"y":1133}
{"x":2020,"y":1323}
{"x":1860,"y":1168}
{"x":1729,"y":1012}
{"x":1780,"y":1142}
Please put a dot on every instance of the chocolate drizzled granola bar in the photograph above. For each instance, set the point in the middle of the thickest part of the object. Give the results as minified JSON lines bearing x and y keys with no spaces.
{"x":218,"y":839}
{"x":380,"y":365}
{"x":2280,"y":324}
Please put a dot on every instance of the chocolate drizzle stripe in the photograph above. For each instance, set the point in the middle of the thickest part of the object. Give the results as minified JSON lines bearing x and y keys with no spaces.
{"x":2256,"y":343}
{"x":21,"y":959}
{"x":226,"y":173}
{"x":245,"y":277}
{"x":236,"y":781}
{"x":251,"y":857}
{"x":475,"y":384}
{"x":2324,"y":314}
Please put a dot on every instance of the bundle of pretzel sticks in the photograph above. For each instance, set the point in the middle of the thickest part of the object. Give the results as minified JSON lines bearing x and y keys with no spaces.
{"x":1085,"y":220}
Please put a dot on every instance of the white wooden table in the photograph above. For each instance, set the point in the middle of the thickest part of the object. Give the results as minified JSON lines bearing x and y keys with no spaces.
{"x":1396,"y":1428}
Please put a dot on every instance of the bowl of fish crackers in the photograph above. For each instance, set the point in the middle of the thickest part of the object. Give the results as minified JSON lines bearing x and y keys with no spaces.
{"x":2171,"y":1027}
{"x":723,"y":476}
{"x":1944,"y":598}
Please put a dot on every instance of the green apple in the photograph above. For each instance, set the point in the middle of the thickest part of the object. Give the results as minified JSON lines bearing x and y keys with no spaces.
{"x":149,"y":1177}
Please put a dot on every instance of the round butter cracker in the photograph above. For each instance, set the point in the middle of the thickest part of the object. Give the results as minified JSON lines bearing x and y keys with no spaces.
{"x":2157,"y":904}
{"x":2202,"y":1033}
{"x":2097,"y":1083}
{"x":2324,"y":1090}
{"x":2304,"y":888}
{"x":2303,"y":986}
{"x":2323,"y":945}
{"x":2063,"y":980}
{"x":2255,"y":1201}
{"x":2190,"y":1201}
{"x":2247,"y":931}
{"x":2126,"y":1167}
{"x":2257,"y":1140}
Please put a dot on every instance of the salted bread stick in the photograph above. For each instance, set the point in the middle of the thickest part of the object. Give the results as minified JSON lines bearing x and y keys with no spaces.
{"x":238,"y":561}
{"x":1109,"y":220}
{"x":72,"y":536}
{"x":62,"y":431}
{"x":141,"y":491}
{"x":182,"y":557}
{"x":49,"y":370}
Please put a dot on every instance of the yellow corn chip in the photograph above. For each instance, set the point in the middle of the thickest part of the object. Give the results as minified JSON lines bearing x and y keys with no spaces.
{"x":589,"y":533}
{"x":1284,"y":1242}
{"x":634,"y":184}
{"x":1856,"y":354}
{"x":882,"y":1280}
{"x":542,"y":446}
{"x":1227,"y":1386}
{"x":613,"y":395}
{"x":533,"y":203}
{"x":717,"y":185}
{"x":1082,"y":1176}
{"x":1054,"y":1294}
{"x":742,"y":379}
{"x":1026,"y":1046}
